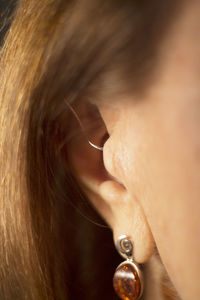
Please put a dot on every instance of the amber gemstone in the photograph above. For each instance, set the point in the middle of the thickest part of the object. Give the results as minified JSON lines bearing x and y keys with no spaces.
{"x":126,"y":282}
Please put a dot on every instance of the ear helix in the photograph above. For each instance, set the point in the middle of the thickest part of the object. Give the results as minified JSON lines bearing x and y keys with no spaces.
{"x":128,"y":279}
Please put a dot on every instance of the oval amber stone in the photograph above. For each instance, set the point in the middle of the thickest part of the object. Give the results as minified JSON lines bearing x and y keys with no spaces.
{"x":126,"y":282}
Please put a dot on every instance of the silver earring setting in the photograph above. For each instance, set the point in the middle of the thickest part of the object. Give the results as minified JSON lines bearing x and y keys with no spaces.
{"x":128,"y":279}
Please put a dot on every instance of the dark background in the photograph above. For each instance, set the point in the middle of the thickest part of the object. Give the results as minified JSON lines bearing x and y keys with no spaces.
{"x":6,"y":9}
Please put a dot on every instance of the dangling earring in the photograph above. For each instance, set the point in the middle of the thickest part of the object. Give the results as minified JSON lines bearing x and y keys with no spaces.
{"x":128,"y":278}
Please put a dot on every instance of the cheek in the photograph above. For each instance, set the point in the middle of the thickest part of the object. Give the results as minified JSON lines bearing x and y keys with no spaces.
{"x":160,"y":159}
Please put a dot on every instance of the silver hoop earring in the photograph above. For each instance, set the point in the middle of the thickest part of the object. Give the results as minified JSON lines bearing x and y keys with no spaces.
{"x":80,"y":123}
{"x":128,"y":279}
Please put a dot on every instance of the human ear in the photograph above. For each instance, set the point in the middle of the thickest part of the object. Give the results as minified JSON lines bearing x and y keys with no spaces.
{"x":123,"y":213}
{"x":110,"y":197}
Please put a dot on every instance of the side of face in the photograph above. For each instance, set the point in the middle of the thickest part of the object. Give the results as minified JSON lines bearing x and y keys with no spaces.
{"x":154,"y":154}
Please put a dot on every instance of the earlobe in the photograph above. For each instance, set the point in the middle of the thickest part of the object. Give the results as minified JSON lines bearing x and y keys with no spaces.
{"x":128,"y":218}
{"x":122,"y":213}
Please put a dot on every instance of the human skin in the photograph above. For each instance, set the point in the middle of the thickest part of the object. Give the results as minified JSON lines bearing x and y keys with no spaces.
{"x":154,"y":152}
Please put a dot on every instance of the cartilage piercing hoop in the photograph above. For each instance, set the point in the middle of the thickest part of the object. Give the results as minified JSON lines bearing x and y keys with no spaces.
{"x":128,"y":279}
{"x":82,"y":128}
